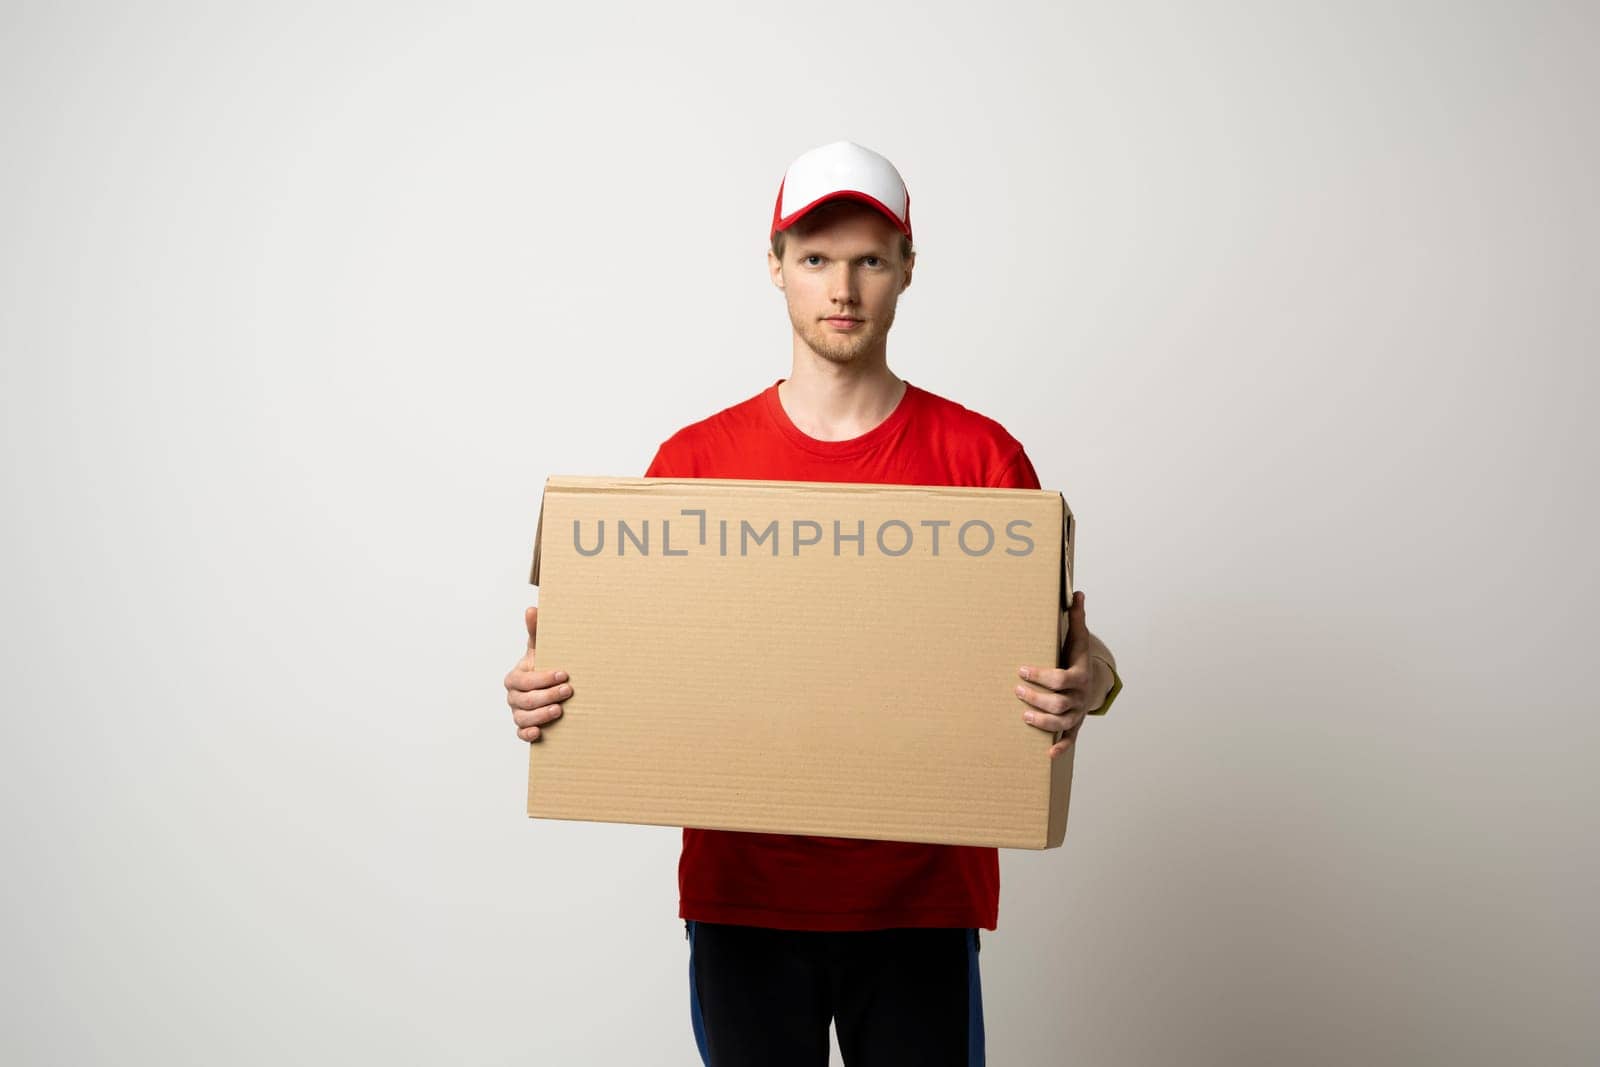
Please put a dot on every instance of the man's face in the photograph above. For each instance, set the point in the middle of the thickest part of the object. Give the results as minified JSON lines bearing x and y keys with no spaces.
{"x":841,"y":277}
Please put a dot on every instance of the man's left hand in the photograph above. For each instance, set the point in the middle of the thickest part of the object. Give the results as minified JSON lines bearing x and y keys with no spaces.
{"x":1059,"y":697}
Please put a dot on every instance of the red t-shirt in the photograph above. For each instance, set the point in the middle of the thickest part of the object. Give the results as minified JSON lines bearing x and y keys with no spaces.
{"x":793,"y":882}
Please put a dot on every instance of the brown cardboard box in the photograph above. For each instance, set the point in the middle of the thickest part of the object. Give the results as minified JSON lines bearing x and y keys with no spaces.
{"x":742,"y":660}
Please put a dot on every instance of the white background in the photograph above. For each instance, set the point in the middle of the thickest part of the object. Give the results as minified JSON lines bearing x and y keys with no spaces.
{"x":1295,"y":303}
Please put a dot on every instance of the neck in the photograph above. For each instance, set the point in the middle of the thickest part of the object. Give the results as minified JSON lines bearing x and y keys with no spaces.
{"x":835,"y":402}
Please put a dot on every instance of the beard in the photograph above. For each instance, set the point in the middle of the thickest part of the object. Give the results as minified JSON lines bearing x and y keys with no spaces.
{"x":841,"y":348}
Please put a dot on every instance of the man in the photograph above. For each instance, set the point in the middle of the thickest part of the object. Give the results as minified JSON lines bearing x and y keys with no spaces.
{"x":789,"y":932}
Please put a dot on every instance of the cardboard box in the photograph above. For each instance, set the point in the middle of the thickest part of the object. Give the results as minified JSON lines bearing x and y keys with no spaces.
{"x":828,"y":659}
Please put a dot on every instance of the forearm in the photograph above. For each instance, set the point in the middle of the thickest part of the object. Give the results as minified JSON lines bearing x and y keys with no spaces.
{"x":1093,"y":654}
{"x":1098,"y":651}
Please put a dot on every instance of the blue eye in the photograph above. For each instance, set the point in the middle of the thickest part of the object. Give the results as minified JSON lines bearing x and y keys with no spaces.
{"x":807,"y":260}
{"x":871,"y":261}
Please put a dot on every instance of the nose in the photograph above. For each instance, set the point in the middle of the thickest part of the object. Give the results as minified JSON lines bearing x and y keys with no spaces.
{"x":842,"y":283}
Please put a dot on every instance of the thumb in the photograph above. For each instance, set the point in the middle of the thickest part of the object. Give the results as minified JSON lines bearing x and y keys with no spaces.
{"x":1076,"y":623}
{"x":531,"y":617}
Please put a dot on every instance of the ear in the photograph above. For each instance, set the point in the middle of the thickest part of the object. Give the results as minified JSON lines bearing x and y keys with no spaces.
{"x":775,"y":269}
{"x":905,"y":282}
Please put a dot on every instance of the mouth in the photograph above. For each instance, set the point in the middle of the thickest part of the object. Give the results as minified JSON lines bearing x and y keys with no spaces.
{"x":843,"y":322}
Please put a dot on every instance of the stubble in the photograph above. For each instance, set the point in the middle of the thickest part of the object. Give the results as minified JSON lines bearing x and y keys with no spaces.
{"x":836,"y":347}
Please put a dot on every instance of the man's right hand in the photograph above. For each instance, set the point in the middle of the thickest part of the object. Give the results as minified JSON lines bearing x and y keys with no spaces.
{"x":535,"y":696}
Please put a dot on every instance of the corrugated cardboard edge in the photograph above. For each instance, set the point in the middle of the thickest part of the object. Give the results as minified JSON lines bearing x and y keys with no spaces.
{"x":1061,"y":766}
{"x":1060,"y":785}
{"x":612,"y":484}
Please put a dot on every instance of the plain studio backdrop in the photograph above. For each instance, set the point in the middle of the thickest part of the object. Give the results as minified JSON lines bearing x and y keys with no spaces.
{"x":1295,"y":303}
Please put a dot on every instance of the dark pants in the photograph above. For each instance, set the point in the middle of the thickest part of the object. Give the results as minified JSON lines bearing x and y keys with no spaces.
{"x":763,"y":998}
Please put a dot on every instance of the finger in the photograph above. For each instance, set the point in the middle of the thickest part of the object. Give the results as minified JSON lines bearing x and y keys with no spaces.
{"x":537,"y":698}
{"x":1052,"y":723}
{"x":1061,"y":679}
{"x":531,"y":617}
{"x":539,"y":716}
{"x":532,"y":733}
{"x":1076,"y":622}
{"x":523,"y":680}
{"x":1068,"y":739}
{"x":1049,"y":701}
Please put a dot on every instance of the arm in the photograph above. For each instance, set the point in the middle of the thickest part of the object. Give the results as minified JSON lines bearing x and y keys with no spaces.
{"x":1102,"y":667}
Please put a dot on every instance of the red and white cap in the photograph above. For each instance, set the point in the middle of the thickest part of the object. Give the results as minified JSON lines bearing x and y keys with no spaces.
{"x":841,"y":170}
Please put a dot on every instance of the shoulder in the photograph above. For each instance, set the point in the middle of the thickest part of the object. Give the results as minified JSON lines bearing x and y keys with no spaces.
{"x":686,"y":450}
{"x":972,"y":439}
{"x":946,"y":413}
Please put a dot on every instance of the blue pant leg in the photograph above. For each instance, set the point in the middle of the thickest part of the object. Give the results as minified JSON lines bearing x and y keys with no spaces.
{"x":975,"y":1043}
{"x":695,"y":1018}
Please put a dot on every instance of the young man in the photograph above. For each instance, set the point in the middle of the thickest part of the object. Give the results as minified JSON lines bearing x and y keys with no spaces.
{"x":788,"y":932}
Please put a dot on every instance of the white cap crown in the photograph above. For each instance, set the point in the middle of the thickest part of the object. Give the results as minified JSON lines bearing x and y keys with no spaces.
{"x":842,"y":169}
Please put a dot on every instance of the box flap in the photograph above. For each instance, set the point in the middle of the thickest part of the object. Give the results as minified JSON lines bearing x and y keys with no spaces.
{"x":1068,"y":536}
{"x":538,"y":537}
{"x":612,"y":486}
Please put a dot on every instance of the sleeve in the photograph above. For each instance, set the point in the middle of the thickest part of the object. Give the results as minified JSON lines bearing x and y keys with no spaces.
{"x":660,"y":465}
{"x":679,"y":456}
{"x":1018,"y":473}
